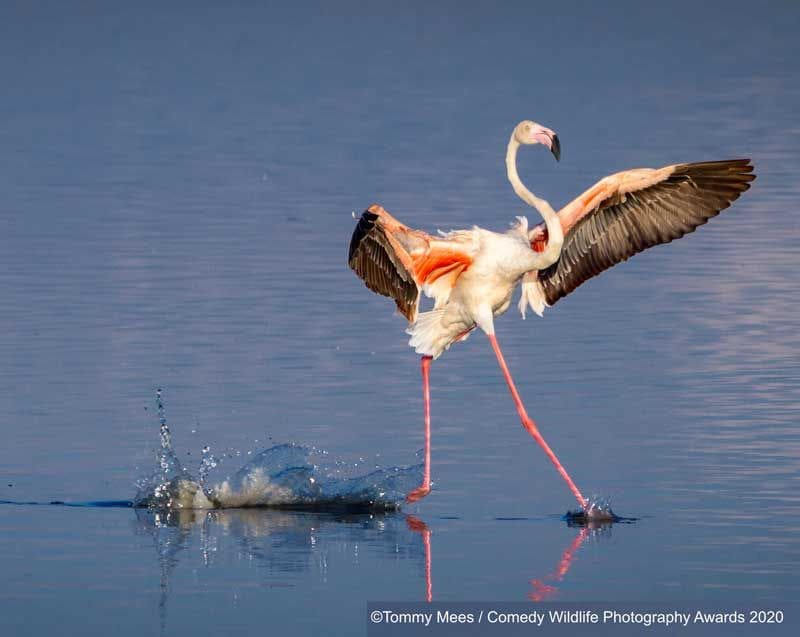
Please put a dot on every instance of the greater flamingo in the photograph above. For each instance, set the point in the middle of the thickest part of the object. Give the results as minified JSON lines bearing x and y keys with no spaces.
{"x":471,"y":274}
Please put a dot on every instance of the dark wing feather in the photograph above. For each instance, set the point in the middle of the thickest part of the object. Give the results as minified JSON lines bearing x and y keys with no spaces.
{"x":625,"y":224}
{"x":374,"y":260}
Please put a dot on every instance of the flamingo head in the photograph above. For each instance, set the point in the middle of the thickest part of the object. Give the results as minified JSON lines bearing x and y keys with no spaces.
{"x":528,"y":132}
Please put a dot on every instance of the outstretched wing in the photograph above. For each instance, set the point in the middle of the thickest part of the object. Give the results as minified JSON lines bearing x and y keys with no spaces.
{"x":631,"y":211}
{"x":399,"y":262}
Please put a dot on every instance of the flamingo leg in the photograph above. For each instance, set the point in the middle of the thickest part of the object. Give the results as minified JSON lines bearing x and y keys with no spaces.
{"x":528,"y":423}
{"x":425,"y":488}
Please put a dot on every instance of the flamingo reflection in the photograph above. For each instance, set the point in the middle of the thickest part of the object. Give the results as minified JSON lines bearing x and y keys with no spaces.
{"x":541,"y":589}
{"x":545,"y":588}
{"x":418,"y":526}
{"x":173,"y":530}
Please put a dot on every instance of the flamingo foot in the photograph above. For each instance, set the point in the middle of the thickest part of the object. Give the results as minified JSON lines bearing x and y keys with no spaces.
{"x":418,"y":493}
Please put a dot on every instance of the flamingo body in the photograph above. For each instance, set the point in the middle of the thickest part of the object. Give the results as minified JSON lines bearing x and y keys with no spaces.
{"x":471,"y":274}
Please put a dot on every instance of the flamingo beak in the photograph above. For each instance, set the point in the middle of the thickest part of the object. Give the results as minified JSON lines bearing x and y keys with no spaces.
{"x":549,"y":139}
{"x":555,"y":147}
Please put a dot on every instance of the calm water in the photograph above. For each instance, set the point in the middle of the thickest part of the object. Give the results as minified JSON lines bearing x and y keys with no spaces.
{"x":177,"y":194}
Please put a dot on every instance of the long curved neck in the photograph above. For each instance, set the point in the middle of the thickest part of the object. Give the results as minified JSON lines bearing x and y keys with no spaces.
{"x":513,"y":176}
{"x":555,"y":234}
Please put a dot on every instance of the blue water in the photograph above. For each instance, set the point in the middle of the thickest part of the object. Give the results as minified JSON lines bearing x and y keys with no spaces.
{"x":177,"y":188}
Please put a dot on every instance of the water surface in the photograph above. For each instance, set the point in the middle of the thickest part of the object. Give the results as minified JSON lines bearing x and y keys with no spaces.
{"x":178,"y":186}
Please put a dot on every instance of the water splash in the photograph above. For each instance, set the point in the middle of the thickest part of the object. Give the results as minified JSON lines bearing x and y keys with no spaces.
{"x":170,"y":484}
{"x":207,"y":463}
{"x":285,"y":476}
{"x":597,"y":512}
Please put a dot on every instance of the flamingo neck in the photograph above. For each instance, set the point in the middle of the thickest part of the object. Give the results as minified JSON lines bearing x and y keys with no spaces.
{"x":552,"y":251}
{"x":513,"y":176}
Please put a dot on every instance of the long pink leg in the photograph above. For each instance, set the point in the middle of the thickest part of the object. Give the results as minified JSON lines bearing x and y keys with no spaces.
{"x":528,"y":423}
{"x":425,"y":488}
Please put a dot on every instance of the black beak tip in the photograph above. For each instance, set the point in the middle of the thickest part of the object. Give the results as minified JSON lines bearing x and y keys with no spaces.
{"x":555,"y":148}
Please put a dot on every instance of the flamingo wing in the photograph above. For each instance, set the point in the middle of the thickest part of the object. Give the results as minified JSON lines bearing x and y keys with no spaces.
{"x":399,"y":262}
{"x":628,"y":212}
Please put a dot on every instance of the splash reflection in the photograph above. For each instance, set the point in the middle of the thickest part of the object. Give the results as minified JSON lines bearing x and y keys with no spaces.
{"x":283,"y":543}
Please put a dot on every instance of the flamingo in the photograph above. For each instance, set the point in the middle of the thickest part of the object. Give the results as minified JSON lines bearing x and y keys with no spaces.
{"x":471,"y":274}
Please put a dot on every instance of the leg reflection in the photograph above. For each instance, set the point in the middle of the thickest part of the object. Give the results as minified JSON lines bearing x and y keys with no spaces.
{"x":542,"y":590}
{"x":418,"y":526}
